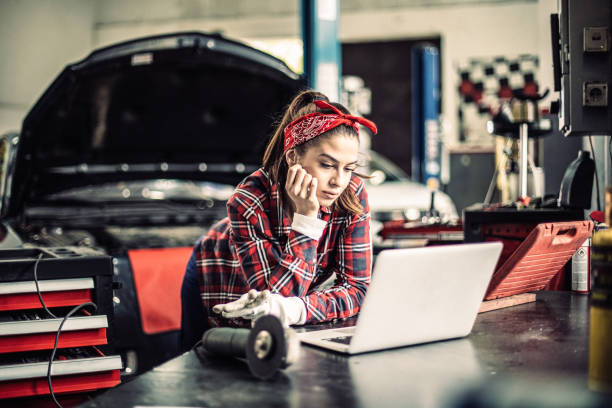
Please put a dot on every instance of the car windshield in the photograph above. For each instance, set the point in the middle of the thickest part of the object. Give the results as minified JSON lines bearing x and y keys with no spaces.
{"x":383,"y":170}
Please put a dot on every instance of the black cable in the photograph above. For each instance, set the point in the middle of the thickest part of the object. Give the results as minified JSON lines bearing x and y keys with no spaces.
{"x":38,"y":288}
{"x":596,"y":178}
{"x":59,"y":330}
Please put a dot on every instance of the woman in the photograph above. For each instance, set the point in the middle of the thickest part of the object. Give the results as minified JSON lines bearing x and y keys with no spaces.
{"x":300,"y":220}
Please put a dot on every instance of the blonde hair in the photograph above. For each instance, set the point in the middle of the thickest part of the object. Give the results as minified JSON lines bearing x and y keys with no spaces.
{"x":274,"y":161}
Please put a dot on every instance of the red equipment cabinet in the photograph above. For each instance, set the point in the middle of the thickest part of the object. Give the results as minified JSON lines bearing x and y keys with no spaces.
{"x":66,"y":278}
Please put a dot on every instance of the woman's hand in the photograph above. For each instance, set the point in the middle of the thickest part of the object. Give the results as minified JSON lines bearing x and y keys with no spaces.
{"x":301,"y":187}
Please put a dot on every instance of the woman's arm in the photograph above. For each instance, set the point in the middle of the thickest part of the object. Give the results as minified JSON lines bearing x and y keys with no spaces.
{"x":353,"y":265}
{"x":289,"y":269}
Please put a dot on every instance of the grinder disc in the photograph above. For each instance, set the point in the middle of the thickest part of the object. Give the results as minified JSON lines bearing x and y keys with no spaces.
{"x":266,"y":349}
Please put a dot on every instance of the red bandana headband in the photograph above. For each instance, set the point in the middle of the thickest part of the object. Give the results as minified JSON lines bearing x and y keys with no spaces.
{"x":313,"y":124}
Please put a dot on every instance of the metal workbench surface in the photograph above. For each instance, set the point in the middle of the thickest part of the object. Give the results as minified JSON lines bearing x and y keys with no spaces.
{"x":511,"y":355}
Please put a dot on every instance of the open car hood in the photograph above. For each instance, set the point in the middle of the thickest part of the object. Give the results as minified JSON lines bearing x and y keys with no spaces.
{"x":177,"y":106}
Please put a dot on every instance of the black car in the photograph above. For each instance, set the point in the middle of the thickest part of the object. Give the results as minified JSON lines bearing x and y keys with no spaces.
{"x":138,"y":146}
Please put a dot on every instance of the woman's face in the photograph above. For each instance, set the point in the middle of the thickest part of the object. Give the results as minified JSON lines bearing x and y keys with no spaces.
{"x":332,"y":161}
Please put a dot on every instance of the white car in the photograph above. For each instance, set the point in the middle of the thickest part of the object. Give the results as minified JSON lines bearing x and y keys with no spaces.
{"x":393,"y":196}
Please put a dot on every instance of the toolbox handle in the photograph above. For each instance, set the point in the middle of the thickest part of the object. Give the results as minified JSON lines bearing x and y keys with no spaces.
{"x":564,"y":234}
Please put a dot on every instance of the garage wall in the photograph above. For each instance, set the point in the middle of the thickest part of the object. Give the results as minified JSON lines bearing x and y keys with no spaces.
{"x":117,"y":20}
{"x":37,"y":39}
{"x":467,"y":29}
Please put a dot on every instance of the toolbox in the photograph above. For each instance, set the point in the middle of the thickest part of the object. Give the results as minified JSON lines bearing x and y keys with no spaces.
{"x":531,"y":263}
{"x":63,"y":278}
{"x":537,"y":245}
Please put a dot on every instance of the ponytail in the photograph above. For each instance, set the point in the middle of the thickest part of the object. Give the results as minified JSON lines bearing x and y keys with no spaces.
{"x":301,"y":105}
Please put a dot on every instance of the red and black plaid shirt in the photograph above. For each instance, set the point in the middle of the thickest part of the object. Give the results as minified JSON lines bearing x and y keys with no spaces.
{"x":255,"y":248}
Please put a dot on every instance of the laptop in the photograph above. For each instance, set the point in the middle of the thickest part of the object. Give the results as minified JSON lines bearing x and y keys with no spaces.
{"x":417,"y":295}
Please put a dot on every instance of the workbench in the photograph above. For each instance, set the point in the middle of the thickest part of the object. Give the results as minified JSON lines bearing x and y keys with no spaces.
{"x":533,"y":350}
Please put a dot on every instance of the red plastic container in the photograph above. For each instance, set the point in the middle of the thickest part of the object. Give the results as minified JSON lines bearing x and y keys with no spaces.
{"x":530,"y":264}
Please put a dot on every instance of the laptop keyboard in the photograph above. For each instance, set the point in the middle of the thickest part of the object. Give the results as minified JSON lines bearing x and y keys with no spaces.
{"x":340,"y":339}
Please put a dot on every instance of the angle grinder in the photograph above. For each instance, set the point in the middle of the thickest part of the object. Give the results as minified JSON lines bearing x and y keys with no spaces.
{"x":266,"y":347}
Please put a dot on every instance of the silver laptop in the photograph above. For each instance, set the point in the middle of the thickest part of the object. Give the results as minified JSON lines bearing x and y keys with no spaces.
{"x":417,"y":295}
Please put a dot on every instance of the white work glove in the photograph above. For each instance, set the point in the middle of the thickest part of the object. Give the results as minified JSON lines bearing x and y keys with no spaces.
{"x":254,"y":304}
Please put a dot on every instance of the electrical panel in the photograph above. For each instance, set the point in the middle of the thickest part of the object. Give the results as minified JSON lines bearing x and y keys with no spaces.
{"x":583,"y":66}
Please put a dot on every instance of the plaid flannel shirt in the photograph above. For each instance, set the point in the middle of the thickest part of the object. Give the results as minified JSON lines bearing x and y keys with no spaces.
{"x":256,"y":248}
